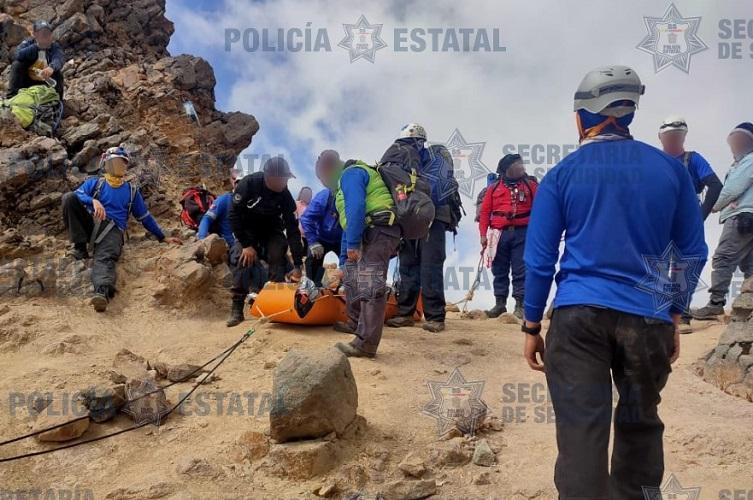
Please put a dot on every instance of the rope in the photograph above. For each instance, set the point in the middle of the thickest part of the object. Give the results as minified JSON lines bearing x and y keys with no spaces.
{"x":226,"y":353}
{"x":476,"y":282}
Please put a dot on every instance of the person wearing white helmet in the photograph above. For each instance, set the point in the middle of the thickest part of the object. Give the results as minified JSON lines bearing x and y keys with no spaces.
{"x":97,"y":213}
{"x":672,"y":134}
{"x":618,"y":202}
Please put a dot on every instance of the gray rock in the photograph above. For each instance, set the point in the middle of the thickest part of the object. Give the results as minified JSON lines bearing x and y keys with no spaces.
{"x":104,"y":402}
{"x":483,"y":454}
{"x":314,"y":394}
{"x":409,"y":490}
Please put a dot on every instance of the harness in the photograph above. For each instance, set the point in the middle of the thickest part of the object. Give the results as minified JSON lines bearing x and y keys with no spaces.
{"x":510,"y":215}
{"x":99,"y":232}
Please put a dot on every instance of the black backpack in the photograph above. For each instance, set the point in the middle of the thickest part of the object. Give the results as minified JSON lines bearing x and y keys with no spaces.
{"x":414,"y":209}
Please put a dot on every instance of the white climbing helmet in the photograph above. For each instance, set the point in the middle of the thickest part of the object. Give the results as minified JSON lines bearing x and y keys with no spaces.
{"x":413,"y":130}
{"x":673,"y":122}
{"x":604,"y":86}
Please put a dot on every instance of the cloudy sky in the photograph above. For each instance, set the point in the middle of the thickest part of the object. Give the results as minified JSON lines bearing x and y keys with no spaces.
{"x":309,"y":100}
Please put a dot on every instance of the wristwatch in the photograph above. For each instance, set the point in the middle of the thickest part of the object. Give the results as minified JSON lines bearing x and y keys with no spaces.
{"x":530,"y":331}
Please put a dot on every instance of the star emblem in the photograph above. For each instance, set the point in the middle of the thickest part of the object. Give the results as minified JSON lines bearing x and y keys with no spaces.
{"x":672,"y":40}
{"x":145,"y":402}
{"x":362,"y":40}
{"x":667,"y":277}
{"x":364,"y":281}
{"x":456,"y":404}
{"x":444,"y":176}
{"x":468,"y":166}
{"x":671,"y":489}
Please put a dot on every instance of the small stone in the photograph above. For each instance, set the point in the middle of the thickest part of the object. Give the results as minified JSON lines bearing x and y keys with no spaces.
{"x":183,"y":372}
{"x":73,"y":419}
{"x":327,"y":489}
{"x":412,"y":465}
{"x":270,"y":363}
{"x":301,"y":460}
{"x":462,"y":341}
{"x":508,"y":319}
{"x":483,"y":454}
{"x":453,"y":308}
{"x":410,"y":490}
{"x":253,"y":445}
{"x":482,"y":478}
{"x":475,"y":314}
{"x":104,"y":402}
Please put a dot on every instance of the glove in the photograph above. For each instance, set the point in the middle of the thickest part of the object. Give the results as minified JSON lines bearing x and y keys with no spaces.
{"x":317,"y":251}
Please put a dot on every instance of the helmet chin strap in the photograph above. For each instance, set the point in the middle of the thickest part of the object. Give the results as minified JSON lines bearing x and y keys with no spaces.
{"x":589,"y":133}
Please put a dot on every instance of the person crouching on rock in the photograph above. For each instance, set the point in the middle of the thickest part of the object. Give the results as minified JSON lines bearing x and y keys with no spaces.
{"x":264,"y":222}
{"x":96,"y":214}
{"x":370,"y":239}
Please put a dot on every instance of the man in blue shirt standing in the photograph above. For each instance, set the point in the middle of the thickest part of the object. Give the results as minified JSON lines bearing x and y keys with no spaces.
{"x":629,"y":214}
{"x":96,"y":214}
{"x":320,"y":223}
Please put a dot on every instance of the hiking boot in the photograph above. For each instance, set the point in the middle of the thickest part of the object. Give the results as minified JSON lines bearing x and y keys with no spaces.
{"x":400,"y":321}
{"x":352,"y":351}
{"x":519,"y":312}
{"x":79,"y":252}
{"x":344,"y":327}
{"x":710,"y":311}
{"x":684,"y":328}
{"x":498,"y":309}
{"x":99,"y":300}
{"x":236,"y":314}
{"x":433,"y":326}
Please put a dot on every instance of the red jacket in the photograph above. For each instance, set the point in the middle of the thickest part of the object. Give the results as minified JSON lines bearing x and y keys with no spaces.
{"x":505,"y":205}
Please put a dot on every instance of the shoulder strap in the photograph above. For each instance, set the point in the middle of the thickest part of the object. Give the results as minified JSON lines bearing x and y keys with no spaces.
{"x":134,"y":191}
{"x":686,"y":158}
{"x":98,"y":187}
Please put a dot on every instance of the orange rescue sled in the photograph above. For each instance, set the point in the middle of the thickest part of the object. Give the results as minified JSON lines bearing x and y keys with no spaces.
{"x":277,"y":301}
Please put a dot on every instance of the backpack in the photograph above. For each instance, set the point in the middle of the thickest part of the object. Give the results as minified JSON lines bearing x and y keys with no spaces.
{"x":100,"y":232}
{"x":134,"y":189}
{"x":195,"y":202}
{"x":37,"y":108}
{"x":414,"y":210}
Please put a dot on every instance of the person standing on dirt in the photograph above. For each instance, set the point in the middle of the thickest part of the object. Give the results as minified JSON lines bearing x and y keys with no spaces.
{"x":735,"y":203}
{"x":619,"y":202}
{"x":96,"y":214}
{"x":37,"y":60}
{"x":504,"y":214}
{"x":422,"y":261}
{"x":264,"y":222}
{"x":320,"y":222}
{"x":370,"y":239}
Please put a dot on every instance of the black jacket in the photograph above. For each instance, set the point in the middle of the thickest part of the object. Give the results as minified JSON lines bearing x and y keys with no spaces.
{"x":28,"y":52}
{"x":257,"y":212}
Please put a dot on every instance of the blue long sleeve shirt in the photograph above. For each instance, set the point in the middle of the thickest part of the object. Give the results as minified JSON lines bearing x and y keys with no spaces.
{"x":116,"y":201}
{"x":28,"y":52}
{"x":621,"y":205}
{"x":319,"y":221}
{"x":353,"y":184}
{"x":217,"y":216}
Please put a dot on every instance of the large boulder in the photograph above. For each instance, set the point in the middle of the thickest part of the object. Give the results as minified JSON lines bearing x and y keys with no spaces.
{"x":315,"y":394}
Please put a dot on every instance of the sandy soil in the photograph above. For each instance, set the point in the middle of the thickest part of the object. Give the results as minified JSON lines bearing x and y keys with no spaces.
{"x":46,"y":345}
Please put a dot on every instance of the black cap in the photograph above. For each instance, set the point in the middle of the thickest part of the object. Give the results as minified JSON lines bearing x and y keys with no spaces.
{"x":41,"y":25}
{"x":506,"y":161}
{"x":277,"y":167}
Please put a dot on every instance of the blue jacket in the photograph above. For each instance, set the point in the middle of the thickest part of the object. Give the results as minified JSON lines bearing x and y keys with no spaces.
{"x":217,"y":218}
{"x":116,"y":201}
{"x":738,"y":188}
{"x":28,"y":52}
{"x":620,"y":204}
{"x":438,"y":175}
{"x":319,"y":221}
{"x":353,"y":184}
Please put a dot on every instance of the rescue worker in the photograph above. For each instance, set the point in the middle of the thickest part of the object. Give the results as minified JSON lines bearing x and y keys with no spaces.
{"x":606,"y":325}
{"x":366,"y":213}
{"x":320,"y":221}
{"x":96,"y":214}
{"x":37,"y":59}
{"x":217,"y":220}
{"x":503,"y":219}
{"x":263,"y":219}
{"x":422,"y":261}
{"x":735,"y":203}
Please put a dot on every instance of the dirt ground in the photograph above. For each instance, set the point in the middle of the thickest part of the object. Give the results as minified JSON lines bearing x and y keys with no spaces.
{"x":46,"y":345}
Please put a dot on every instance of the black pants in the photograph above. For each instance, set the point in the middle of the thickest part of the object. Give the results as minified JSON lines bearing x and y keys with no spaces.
{"x":509,"y":260}
{"x":315,"y":267}
{"x":19,"y":79}
{"x":80,"y":225}
{"x":587,"y":347}
{"x":271,"y":248}
{"x":422,"y":271}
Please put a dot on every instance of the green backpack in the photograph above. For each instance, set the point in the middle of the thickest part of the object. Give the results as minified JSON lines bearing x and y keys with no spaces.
{"x":35,"y":108}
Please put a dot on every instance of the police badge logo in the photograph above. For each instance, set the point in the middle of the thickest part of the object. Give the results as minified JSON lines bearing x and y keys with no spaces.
{"x":456,"y":404}
{"x":671,"y":488}
{"x":362,"y":40}
{"x":672,"y":40}
{"x":468,"y":166}
{"x":667,"y":278}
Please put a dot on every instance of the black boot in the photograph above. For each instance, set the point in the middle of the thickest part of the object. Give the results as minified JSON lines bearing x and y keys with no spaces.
{"x":499,"y":308}
{"x":100,"y":298}
{"x":519,"y":310}
{"x":236,"y":313}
